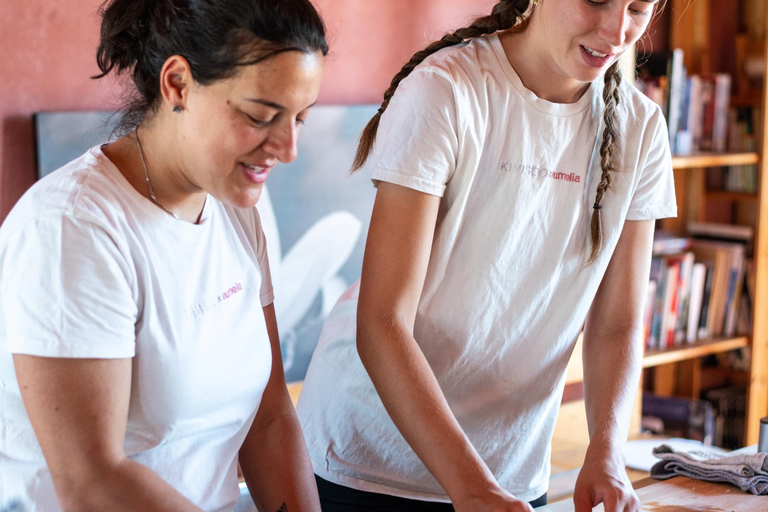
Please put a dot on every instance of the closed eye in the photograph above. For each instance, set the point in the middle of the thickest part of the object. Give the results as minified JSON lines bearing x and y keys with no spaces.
{"x":257,"y":122}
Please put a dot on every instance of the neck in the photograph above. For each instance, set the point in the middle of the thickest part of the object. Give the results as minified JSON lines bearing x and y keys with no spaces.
{"x":537,"y":71}
{"x":172,"y":188}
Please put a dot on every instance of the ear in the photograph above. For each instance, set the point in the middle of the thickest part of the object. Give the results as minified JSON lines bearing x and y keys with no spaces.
{"x":175,"y":81}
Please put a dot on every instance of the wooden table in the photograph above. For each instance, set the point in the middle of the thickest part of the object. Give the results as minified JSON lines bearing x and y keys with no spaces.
{"x":681,"y":494}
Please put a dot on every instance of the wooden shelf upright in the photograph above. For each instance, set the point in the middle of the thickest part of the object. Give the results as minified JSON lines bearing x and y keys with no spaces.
{"x":757,"y":395}
{"x":690,"y":30}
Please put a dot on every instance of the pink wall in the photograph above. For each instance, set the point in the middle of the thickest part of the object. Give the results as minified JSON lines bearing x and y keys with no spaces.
{"x":49,"y":47}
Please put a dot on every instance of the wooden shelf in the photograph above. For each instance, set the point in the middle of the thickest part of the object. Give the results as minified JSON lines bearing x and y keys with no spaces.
{"x":720,"y":195}
{"x":692,"y":350}
{"x":714,"y":160}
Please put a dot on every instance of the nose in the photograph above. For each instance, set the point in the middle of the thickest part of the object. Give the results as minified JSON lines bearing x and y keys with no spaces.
{"x":282,"y":140}
{"x":613,"y":27}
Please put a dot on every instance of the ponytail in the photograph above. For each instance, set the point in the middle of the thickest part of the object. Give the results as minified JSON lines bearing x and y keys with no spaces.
{"x":124,"y":23}
{"x":216,"y":37}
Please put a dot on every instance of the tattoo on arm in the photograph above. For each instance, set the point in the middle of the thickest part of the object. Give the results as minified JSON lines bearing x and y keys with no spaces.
{"x":283,"y":508}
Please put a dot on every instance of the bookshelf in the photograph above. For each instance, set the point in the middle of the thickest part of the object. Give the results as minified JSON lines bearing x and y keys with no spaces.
{"x":653,"y":358}
{"x":696,"y":27}
{"x":704,"y":160}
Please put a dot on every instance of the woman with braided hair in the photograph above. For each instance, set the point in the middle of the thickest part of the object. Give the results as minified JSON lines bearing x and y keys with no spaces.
{"x":518,"y":182}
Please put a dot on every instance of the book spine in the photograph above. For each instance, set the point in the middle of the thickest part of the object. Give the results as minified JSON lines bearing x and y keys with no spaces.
{"x":698,"y":278}
{"x":706,"y":296}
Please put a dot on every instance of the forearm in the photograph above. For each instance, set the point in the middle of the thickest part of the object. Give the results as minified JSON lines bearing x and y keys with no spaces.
{"x":277,"y":468}
{"x":126,"y":486}
{"x":612,"y":362}
{"x":412,"y":396}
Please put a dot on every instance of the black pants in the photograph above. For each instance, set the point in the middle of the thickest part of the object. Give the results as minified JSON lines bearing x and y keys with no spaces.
{"x":337,"y":498}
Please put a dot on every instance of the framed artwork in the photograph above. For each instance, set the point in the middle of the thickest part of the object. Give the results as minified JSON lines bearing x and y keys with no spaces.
{"x":314,"y":213}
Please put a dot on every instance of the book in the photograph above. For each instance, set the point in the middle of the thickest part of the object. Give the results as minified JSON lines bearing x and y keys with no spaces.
{"x":722,"y":305}
{"x":698,"y":279}
{"x":666,"y":243}
{"x":734,"y":290}
{"x":720,"y":121}
{"x":707,"y":98}
{"x":658,"y":275}
{"x":720,"y":231}
{"x":683,"y":298}
{"x":676,"y":76}
{"x":669,"y":318}
{"x":650,"y":296}
{"x":703,"y":330}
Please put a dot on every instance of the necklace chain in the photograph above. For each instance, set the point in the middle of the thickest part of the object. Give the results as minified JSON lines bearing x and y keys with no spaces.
{"x":152,"y":196}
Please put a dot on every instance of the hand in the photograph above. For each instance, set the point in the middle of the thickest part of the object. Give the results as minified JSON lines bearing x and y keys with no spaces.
{"x":495,"y":500}
{"x":603,"y":479}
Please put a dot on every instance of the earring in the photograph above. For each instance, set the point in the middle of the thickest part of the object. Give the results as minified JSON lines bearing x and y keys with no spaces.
{"x":177,"y":109}
{"x":536,"y":3}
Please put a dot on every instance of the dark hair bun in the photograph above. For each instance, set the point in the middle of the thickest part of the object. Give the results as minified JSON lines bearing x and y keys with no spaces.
{"x":215,"y":36}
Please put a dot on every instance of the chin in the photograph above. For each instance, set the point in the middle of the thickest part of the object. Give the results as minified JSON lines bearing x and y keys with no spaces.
{"x":247,"y":200}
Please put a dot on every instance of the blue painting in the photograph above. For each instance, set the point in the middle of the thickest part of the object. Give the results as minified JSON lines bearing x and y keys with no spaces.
{"x":315,"y":214}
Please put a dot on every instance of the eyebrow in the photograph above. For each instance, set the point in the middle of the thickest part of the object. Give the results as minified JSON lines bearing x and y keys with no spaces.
{"x":271,"y":104}
{"x":277,"y":106}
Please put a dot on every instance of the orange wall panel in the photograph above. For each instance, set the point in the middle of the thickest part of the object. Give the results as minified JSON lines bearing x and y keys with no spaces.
{"x":48,"y":54}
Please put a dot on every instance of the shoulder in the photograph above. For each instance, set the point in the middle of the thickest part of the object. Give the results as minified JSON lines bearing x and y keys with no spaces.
{"x":465,"y":61}
{"x":246,"y":222}
{"x":636,"y":107}
{"x":86,"y":188}
{"x":247,"y":219}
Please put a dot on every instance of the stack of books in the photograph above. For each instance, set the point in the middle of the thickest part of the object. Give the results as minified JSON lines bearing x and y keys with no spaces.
{"x":696,"y":106}
{"x":701,"y":119}
{"x":697,"y":286}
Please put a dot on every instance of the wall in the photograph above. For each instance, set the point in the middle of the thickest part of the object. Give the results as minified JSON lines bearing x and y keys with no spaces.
{"x":49,"y":47}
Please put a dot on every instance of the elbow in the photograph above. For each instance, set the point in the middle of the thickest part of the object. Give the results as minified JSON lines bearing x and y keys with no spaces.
{"x":371,"y":329}
{"x":363,"y":339}
{"x":85,"y":490}
{"x":379,"y":335}
{"x":76,"y":497}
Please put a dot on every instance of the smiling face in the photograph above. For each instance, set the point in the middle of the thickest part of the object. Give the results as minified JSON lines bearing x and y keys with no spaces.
{"x":237,"y":129}
{"x":579,"y":39}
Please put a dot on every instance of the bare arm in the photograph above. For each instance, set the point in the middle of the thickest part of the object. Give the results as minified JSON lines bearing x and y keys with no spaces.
{"x":613,"y":348}
{"x":79,"y":409}
{"x":394,"y":268}
{"x":274,"y":457}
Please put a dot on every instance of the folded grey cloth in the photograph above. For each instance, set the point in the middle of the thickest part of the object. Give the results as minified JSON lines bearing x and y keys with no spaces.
{"x":747,"y":472}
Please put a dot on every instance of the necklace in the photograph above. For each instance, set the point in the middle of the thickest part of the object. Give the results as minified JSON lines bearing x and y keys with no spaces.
{"x":152,"y":196}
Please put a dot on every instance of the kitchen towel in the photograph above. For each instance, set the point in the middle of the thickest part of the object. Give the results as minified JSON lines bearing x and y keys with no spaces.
{"x":747,"y":472}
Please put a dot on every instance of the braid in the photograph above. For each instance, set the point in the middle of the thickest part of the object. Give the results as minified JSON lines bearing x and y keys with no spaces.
{"x":611,"y":97}
{"x":505,"y":14}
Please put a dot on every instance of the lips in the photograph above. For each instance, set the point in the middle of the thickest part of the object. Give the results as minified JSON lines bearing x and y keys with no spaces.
{"x":595,"y":58}
{"x":255,"y":173}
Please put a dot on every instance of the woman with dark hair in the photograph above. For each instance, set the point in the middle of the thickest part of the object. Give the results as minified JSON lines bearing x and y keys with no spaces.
{"x":135,"y":294}
{"x":518,"y":183}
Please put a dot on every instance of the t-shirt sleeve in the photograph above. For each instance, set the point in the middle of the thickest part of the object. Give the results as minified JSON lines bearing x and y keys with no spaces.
{"x":267,"y":293}
{"x":67,"y":291}
{"x":654,"y":196}
{"x":417,"y":143}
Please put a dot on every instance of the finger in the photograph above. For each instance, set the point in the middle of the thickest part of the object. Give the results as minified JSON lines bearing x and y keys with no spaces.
{"x":628,"y":502}
{"x":611,"y":502}
{"x":582,"y":500}
{"x":635,"y":505}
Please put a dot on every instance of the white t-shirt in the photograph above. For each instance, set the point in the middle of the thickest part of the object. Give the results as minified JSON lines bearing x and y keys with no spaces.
{"x":507,"y":289}
{"x":91,"y":269}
